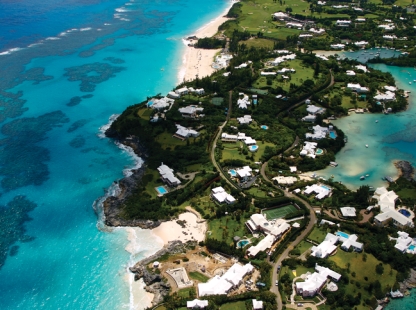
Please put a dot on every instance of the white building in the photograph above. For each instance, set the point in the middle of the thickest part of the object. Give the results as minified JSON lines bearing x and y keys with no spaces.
{"x":317,"y":31}
{"x":168,"y":176}
{"x":267,"y":73}
{"x":246,"y":119}
{"x":185,"y":133}
{"x":190,"y":111}
{"x":326,"y":247}
{"x":313,"y":109}
{"x":348,"y":212}
{"x":197,"y":304}
{"x":361,"y":43}
{"x":294,"y":25}
{"x":244,"y":173}
{"x":220,"y":285}
{"x":222,"y":61}
{"x":360,"y":20}
{"x":361,"y":67}
{"x":257,"y":304}
{"x":357,"y":87}
{"x":320,"y":190}
{"x":387,"y":96}
{"x":350,"y":73}
{"x":243,"y":102}
{"x":285,"y":70}
{"x":281,"y":59}
{"x":280,"y":16}
{"x":182,"y":91}
{"x":221,"y":196}
{"x":343,"y":23}
{"x":161,"y":103}
{"x":225,"y":137}
{"x":285,"y":180}
{"x":403,"y":242}
{"x":308,"y":149}
{"x":318,"y":133}
{"x":338,"y":46}
{"x":390,"y":88}
{"x":387,"y":27}
{"x":309,"y":118}
{"x":314,"y":282}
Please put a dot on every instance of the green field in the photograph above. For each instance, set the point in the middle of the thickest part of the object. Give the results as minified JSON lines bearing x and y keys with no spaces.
{"x":225,"y":228}
{"x":238,"y":305}
{"x":195,"y":275}
{"x":279,"y":212}
{"x":317,"y":234}
{"x":188,"y":292}
{"x":232,"y":151}
{"x":258,"y":43}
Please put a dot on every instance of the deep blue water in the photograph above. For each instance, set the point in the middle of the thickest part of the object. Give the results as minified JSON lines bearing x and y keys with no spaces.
{"x":66,"y":67}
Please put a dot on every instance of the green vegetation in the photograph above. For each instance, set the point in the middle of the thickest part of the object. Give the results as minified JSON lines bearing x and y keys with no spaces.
{"x":188,"y":292}
{"x":226,"y":227}
{"x":317,"y":234}
{"x":195,"y":275}
{"x":238,"y":305}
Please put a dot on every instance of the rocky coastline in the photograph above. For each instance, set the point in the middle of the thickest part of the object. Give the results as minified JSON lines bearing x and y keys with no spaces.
{"x":154,"y":282}
{"x":408,"y":283}
{"x":113,"y":205}
{"x":406,"y":169}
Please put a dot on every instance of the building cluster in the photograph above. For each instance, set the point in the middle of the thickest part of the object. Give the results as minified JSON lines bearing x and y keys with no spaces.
{"x":308,"y":149}
{"x":221,"y":196}
{"x":319,"y":132}
{"x":386,"y":200}
{"x":184,"y":133}
{"x":404,"y":243}
{"x":241,"y":136}
{"x":313,"y":111}
{"x":273,"y":230}
{"x":191,"y":111}
{"x":315,"y":282}
{"x":185,"y":91}
{"x":231,"y":279}
{"x":329,"y":245}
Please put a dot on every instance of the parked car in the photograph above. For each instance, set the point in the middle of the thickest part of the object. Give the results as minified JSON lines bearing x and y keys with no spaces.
{"x":277,"y":282}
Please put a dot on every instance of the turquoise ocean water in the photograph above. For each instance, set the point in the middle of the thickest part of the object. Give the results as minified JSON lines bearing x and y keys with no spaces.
{"x":65,"y":69}
{"x":389,"y":137}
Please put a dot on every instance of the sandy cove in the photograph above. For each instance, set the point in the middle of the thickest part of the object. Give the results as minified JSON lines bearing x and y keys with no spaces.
{"x":194,"y":229}
{"x":197,"y":61}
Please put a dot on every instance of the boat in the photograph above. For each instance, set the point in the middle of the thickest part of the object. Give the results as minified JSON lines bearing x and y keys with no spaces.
{"x":410,"y":83}
{"x":362,"y":177}
{"x":162,"y":69}
{"x":367,"y":175}
{"x":376,"y":120}
{"x":366,"y":145}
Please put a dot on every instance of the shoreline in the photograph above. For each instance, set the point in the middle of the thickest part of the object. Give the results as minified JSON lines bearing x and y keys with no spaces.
{"x":198,"y":61}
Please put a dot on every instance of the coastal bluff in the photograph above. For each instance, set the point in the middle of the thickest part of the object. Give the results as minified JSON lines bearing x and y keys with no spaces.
{"x":113,"y":205}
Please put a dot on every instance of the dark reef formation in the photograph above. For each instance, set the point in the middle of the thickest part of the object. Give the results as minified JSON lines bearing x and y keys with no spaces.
{"x":406,"y":169}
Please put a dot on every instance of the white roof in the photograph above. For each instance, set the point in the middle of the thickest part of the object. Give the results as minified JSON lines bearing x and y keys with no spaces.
{"x":167,"y":173}
{"x":313,"y":109}
{"x":280,"y":15}
{"x":197,"y":303}
{"x":281,"y":59}
{"x":293,"y":169}
{"x":348,"y":211}
{"x":316,"y":280}
{"x":390,"y":88}
{"x":350,"y":72}
{"x":285,"y":180}
{"x":321,"y":192}
{"x":161,"y":103}
{"x":249,"y":140}
{"x":181,"y":90}
{"x":228,"y":136}
{"x":361,"y":67}
{"x":242,"y":103}
{"x":263,"y":245}
{"x":327,"y":272}
{"x":361,"y":43}
{"x":351,"y":241}
{"x":338,"y":46}
{"x":395,"y":215}
{"x":257,"y":304}
{"x":244,"y":172}
{"x":217,"y":190}
{"x":323,"y":249}
{"x":323,"y":221}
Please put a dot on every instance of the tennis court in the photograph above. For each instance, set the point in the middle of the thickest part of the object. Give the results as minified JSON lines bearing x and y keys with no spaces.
{"x":279,"y":212}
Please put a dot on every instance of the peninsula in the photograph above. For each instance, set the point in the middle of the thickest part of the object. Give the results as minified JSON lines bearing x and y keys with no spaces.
{"x":229,"y":156}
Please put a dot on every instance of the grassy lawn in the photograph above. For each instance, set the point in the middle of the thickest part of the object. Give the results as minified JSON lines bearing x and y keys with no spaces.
{"x":145,"y":113}
{"x":238,"y":305}
{"x":364,"y":273}
{"x":187,"y":292}
{"x":166,"y":140}
{"x":225,"y":228}
{"x":195,"y":275}
{"x":407,"y":193}
{"x":231,"y":151}
{"x":317,"y":234}
{"x":259,"y":43}
{"x":155,"y":181}
{"x":303,"y":246}
{"x":257,"y":192}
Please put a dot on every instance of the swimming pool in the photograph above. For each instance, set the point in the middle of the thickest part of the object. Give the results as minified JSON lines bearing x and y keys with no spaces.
{"x":342,"y":234}
{"x":326,"y":187}
{"x":264,"y":127}
{"x":232,"y":172}
{"x":150,"y":103}
{"x":161,"y":190}
{"x":253,"y":148}
{"x":404,"y":212}
{"x":332,"y":135}
{"x":411,"y":247}
{"x":319,"y":152}
{"x":242,"y":243}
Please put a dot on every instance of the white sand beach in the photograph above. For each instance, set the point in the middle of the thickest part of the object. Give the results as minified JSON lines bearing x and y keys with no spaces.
{"x":198,"y":61}
{"x":194,"y":229}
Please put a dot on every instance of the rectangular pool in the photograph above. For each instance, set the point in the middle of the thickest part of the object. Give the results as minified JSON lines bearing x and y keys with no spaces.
{"x":161,"y":190}
{"x":326,"y":187}
{"x":342,"y":234}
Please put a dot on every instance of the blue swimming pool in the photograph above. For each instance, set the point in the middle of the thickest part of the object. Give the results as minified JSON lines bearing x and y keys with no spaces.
{"x":319,"y":152}
{"x":253,"y":148}
{"x":242,"y":243}
{"x":150,"y":103}
{"x":342,"y":234}
{"x":161,"y":190}
{"x":232,"y":172}
{"x":332,"y":135}
{"x":264,"y":127}
{"x":326,"y":187}
{"x":404,"y":212}
{"x":411,"y":247}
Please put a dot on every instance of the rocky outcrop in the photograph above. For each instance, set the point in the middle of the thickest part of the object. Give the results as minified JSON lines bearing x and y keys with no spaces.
{"x":406,"y":169}
{"x":113,"y":205}
{"x":160,"y":290}
{"x":409,"y":283}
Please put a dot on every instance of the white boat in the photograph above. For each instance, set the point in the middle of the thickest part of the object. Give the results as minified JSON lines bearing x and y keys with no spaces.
{"x":410,"y":83}
{"x":376,"y":120}
{"x":366,"y":145}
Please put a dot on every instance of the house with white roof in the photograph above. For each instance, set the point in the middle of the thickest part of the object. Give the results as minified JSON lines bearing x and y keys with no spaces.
{"x":340,"y":6}
{"x":294,"y":25}
{"x":360,"y":20}
{"x":309,"y":118}
{"x":317,"y":31}
{"x":197,"y":304}
{"x":222,"y":61}
{"x":319,"y":133}
{"x":323,"y":57}
{"x":350,"y":73}
{"x":281,"y":59}
{"x":321,"y":3}
{"x":386,"y":200}
{"x":263,"y":245}
{"x":361,"y":67}
{"x":387,"y":27}
{"x":320,"y":190}
{"x":280,"y":16}
{"x":168,"y":176}
{"x":326,"y":247}
{"x":243,"y":102}
{"x":390,"y":88}
{"x":308,"y":149}
{"x":190,"y":111}
{"x":267,"y":73}
{"x":243,"y":65}
{"x":284,"y":70}
{"x":313,"y":109}
{"x":220,"y":195}
{"x":182,"y":91}
{"x":348,"y":212}
{"x":361,"y":43}
{"x":305,"y":35}
{"x":403,"y":242}
{"x":350,"y":242}
{"x":225,"y":137}
{"x":246,"y":119}
{"x":357,"y":88}
{"x":257,"y":304}
{"x":343,"y":23}
{"x":389,"y":37}
{"x":285,"y":180}
{"x":231,"y":279}
{"x":314,"y":282}
{"x":161,"y":103}
{"x":185,"y":133}
{"x":387,"y":96}
{"x":323,"y":222}
{"x":244,"y":173}
{"x":338,"y":46}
